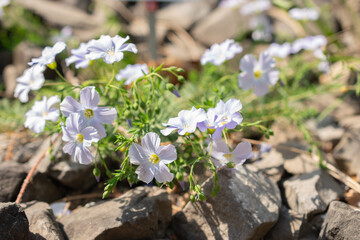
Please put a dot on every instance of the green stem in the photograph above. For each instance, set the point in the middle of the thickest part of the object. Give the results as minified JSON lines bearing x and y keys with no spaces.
{"x":59,"y":74}
{"x":110,"y":82}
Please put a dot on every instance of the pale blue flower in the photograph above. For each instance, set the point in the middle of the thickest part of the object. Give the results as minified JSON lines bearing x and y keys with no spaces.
{"x":258,"y":74}
{"x":132,"y":72}
{"x":110,"y":49}
{"x":221,"y":155}
{"x":48,"y":54}
{"x":64,"y":35}
{"x":211,"y":123}
{"x":79,"y":138}
{"x":32,"y":79}
{"x":219,"y":53}
{"x":279,"y":50}
{"x":304,"y":14}
{"x":40,"y":112}
{"x":152,"y":159}
{"x":79,"y":57}
{"x":185,"y":122}
{"x":89,"y":112}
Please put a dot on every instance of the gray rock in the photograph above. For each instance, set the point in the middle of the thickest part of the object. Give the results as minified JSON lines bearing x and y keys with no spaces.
{"x":13,"y":222}
{"x":10,"y":75}
{"x":42,"y":221}
{"x":246,"y":207}
{"x":310,"y":193}
{"x":342,"y":222}
{"x":288,"y":225}
{"x":72,"y":174}
{"x":346,"y":153}
{"x":271,"y":165}
{"x":141,"y":213}
{"x":219,"y":25}
{"x":12,"y":176}
{"x":326,"y":130}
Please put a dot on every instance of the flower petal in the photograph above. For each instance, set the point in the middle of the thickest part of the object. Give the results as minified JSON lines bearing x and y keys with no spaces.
{"x":167,"y":154}
{"x":145,"y":174}
{"x":70,"y":105}
{"x":150,"y":142}
{"x":138,"y":155}
{"x":89,"y":97}
{"x":162,"y":173}
{"x":105,"y":115}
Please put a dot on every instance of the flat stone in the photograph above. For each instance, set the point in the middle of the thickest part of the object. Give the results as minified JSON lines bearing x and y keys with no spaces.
{"x":271,"y":165}
{"x":342,"y":222}
{"x":326,"y":130}
{"x":141,"y":213}
{"x":346,"y":153}
{"x":42,"y":221}
{"x":288,"y":225}
{"x":311,"y":193}
{"x":12,"y":176}
{"x":13,"y":222}
{"x":246,"y":207}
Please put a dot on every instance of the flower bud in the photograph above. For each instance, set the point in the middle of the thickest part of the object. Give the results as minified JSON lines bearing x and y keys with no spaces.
{"x":157,"y":110}
{"x":179,"y":176}
{"x":97,"y":173}
{"x":127,"y":114}
{"x":202,"y":197}
{"x":197,"y":188}
{"x":231,"y":164}
{"x":192,"y":198}
{"x":170,"y":87}
{"x":143,"y":105}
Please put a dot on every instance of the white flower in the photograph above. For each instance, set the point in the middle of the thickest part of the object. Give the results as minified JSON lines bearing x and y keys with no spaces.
{"x":110,"y":49}
{"x":3,"y":3}
{"x":219,"y":53}
{"x":280,"y":51}
{"x":79,"y":138}
{"x":40,"y":112}
{"x":258,"y":74}
{"x":311,"y":43}
{"x":230,"y":3}
{"x":186,"y":121}
{"x":255,"y":6}
{"x":48,"y":54}
{"x":32,"y":79}
{"x":221,"y":155}
{"x":304,"y":14}
{"x":152,"y":159}
{"x":132,"y":72}
{"x":89,"y":112}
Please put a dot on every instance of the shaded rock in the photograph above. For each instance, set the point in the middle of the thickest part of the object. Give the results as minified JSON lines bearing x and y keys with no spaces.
{"x":346,"y":153}
{"x":271,"y":165}
{"x":326,"y":130}
{"x":311,"y":228}
{"x":310,"y":193}
{"x":186,"y":13}
{"x":42,"y":221}
{"x":219,"y":25}
{"x":351,"y":122}
{"x":246,"y":207}
{"x":342,"y":222}
{"x":288,"y":225}
{"x":24,"y":152}
{"x":284,"y":131}
{"x":42,"y":188}
{"x":72,"y":174}
{"x":142,"y":213}
{"x":13,"y":222}
{"x":12,"y":176}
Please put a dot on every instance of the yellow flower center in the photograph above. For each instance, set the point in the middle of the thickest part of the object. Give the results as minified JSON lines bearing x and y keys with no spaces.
{"x":79,"y":138}
{"x":228,"y":156}
{"x":257,"y":74}
{"x":89,"y":113}
{"x":111,"y":51}
{"x":44,"y":114}
{"x":154,"y":159}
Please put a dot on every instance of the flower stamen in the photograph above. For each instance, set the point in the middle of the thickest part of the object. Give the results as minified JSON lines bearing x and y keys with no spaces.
{"x":89,"y":113}
{"x":79,"y":138}
{"x":257,"y":74}
{"x":154,"y":159}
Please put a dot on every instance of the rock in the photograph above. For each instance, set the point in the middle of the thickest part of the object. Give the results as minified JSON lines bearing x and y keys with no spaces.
{"x":42,"y":221}
{"x":141,"y":213}
{"x":246,"y":207}
{"x":271,"y":165}
{"x":72,"y":174}
{"x":284,"y":131}
{"x":342,"y":222}
{"x":12,"y":176}
{"x":311,"y":228}
{"x":310,"y":193}
{"x":23,"y":53}
{"x":346,"y":153}
{"x":326,"y":130}
{"x":42,"y":188}
{"x":351,"y":123}
{"x":295,"y":162}
{"x":10,"y":75}
{"x":219,"y":25}
{"x":288,"y":225}
{"x":186,"y":13}
{"x":13,"y":222}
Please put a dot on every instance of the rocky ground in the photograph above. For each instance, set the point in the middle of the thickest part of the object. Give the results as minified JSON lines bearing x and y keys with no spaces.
{"x":281,"y":195}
